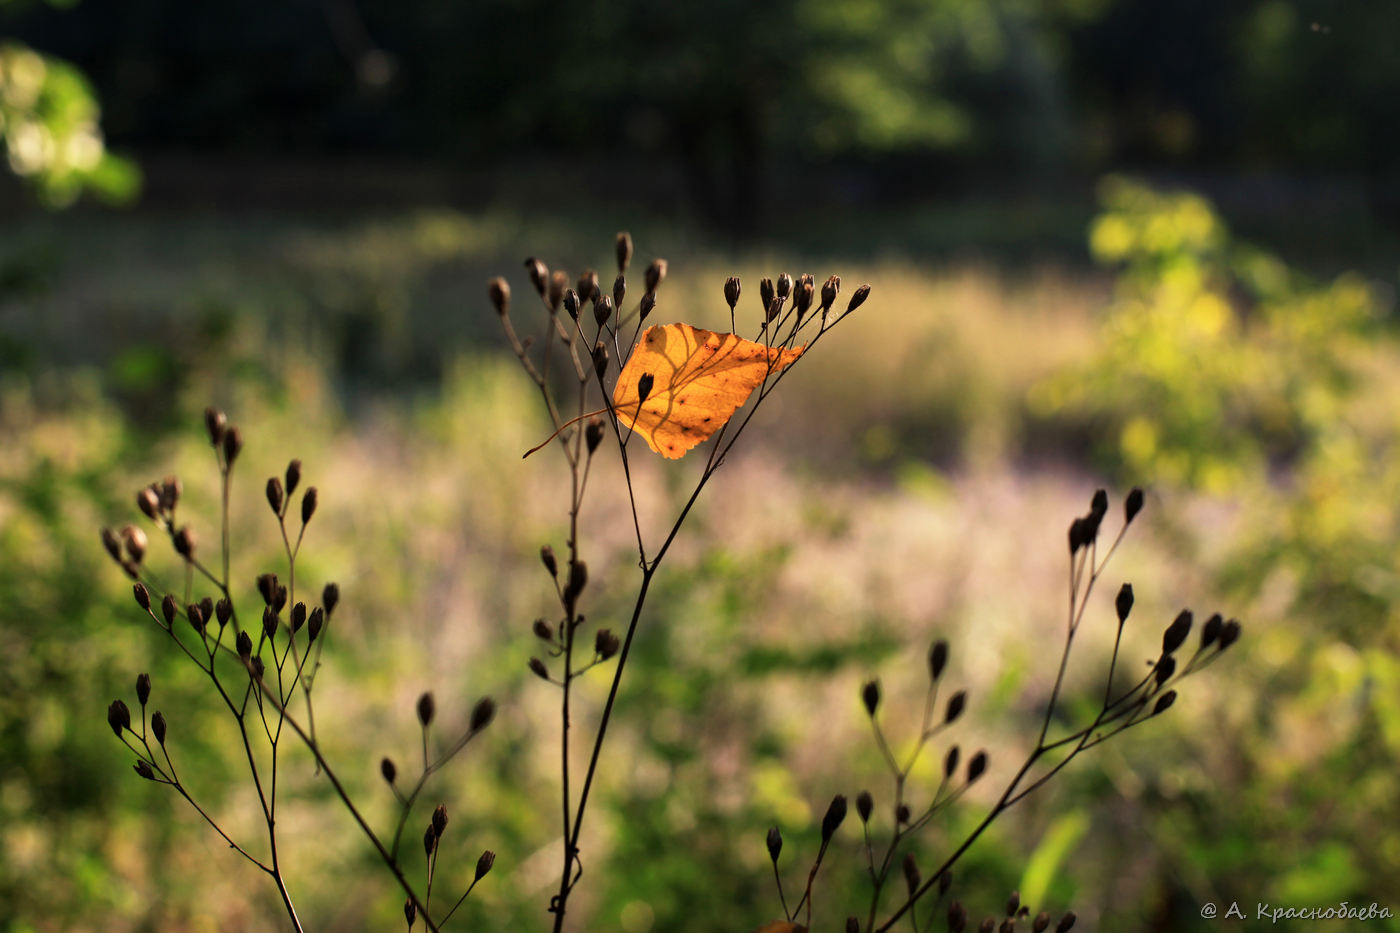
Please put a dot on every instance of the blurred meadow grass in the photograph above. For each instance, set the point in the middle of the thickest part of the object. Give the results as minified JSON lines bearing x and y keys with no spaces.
{"x":915,"y":483}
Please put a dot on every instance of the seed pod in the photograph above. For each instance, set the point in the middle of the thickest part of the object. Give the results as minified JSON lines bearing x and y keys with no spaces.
{"x":731,"y":291}
{"x":135,"y":540}
{"x":158,"y":726}
{"x":1229,"y":633}
{"x":244,"y":645}
{"x":976,"y":766}
{"x":330,"y":597}
{"x":600,"y":359}
{"x":498,"y":289}
{"x":148,"y":502}
{"x":426,"y":707}
{"x":168,"y":609}
{"x":538,"y":669}
{"x":1041,"y":922}
{"x":410,"y":912}
{"x":233,"y":444}
{"x":1211,"y":630}
{"x":206,"y":608}
{"x":267,"y":587}
{"x":439,"y":820}
{"x":619,"y":292}
{"x":644,"y":385}
{"x":308,"y":505}
{"x":558,"y":285}
{"x":118,"y":717}
{"x":223,"y":611}
{"x":1124,"y":602}
{"x":870,"y":696}
{"x":624,"y":250}
{"x":646,"y":305}
{"x":578,"y":578}
{"x":185,"y":542}
{"x":864,"y":805}
{"x":170,"y":489}
{"x":1176,"y":633}
{"x":912,"y":877}
{"x":1165,"y":669}
{"x":835,"y":813}
{"x":112,"y":545}
{"x":539,"y":274}
{"x":270,"y":622}
{"x":593,"y":434}
{"x":784,"y":287}
{"x":195,"y":615}
{"x":956,"y":703}
{"x":950,"y":761}
{"x":1066,"y":922}
{"x":298,"y":617}
{"x":858,"y":298}
{"x":143,"y":688}
{"x":143,"y":596}
{"x":144,"y":769}
{"x":606,"y":644}
{"x":315,"y":623}
{"x":655,"y":274}
{"x":1131,"y":506}
{"x":571,"y":303}
{"x":482,"y":713}
{"x":766,"y":294}
{"x":775,"y":843}
{"x":214,"y":424}
{"x":1098,"y":506}
{"x":830,"y":290}
{"x":275,"y":497}
{"x":803,"y":300}
{"x":937,"y":658}
{"x":483,"y":864}
{"x":1078,"y":536}
{"x":901,"y":814}
{"x":543,"y":630}
{"x":387,"y":769}
{"x":293,"y":476}
{"x":1164,"y":703}
{"x":1013,"y":903}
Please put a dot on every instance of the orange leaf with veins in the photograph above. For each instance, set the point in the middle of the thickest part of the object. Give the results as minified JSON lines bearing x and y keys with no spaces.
{"x":699,"y":379}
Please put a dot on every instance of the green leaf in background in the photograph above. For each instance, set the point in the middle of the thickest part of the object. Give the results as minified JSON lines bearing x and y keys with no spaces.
{"x":1062,"y":836}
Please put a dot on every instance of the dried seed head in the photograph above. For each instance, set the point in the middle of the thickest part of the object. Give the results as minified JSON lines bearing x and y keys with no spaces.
{"x":538,"y":669}
{"x":1124,"y":602}
{"x":542,"y":630}
{"x":578,"y":578}
{"x":976,"y":766}
{"x":1164,"y":702}
{"x":1099,"y":504}
{"x":644,"y":384}
{"x":858,"y":298}
{"x":170,"y":489}
{"x":1078,"y":535}
{"x":330,"y":597}
{"x":144,"y":769}
{"x":1041,"y":922}
{"x":624,"y":250}
{"x":195,"y":615}
{"x":482,"y":713}
{"x":558,"y":284}
{"x":646,"y":305}
{"x":267,"y":587}
{"x":308,"y":504}
{"x":912,"y":878}
{"x":148,"y":501}
{"x":233,"y":444}
{"x":784,"y":286}
{"x":135,"y":540}
{"x":168,"y":609}
{"x":112,"y":544}
{"x":269,"y":621}
{"x":483,"y":864}
{"x":158,"y":726}
{"x":619,"y":293}
{"x":606,"y":644}
{"x":901,"y":814}
{"x":655,"y":274}
{"x":864,"y":805}
{"x":315,"y":623}
{"x":775,"y":843}
{"x":835,"y":813}
{"x":593,"y":434}
{"x":806,"y":292}
{"x":499,"y":291}
{"x":143,"y":688}
{"x":539,"y":274}
{"x":600,"y":359}
{"x":143,"y":596}
{"x":439,"y":820}
{"x":731,"y":291}
{"x":1066,"y":922}
{"x":956,"y":703}
{"x":957,"y":917}
{"x":293,"y":476}
{"x":410,"y":912}
{"x":571,"y":303}
{"x":1176,"y":633}
{"x":245,"y":645}
{"x":1131,"y":506}
{"x":766,"y":294}
{"x":937,"y":658}
{"x":870,"y":696}
{"x":387,"y":769}
{"x":1166,"y":667}
{"x":830,"y":289}
{"x":950,"y":761}
{"x":206,"y":608}
{"x":426,"y":707}
{"x":1013,"y":903}
{"x":1229,"y":634}
{"x":185,"y":542}
{"x":275,"y":497}
{"x":298,"y":617}
{"x":588,"y":286}
{"x":547,"y":558}
{"x":1211,"y":630}
{"x":223,"y":611}
{"x":118,"y":717}
{"x":602,"y":309}
{"x":214,"y":424}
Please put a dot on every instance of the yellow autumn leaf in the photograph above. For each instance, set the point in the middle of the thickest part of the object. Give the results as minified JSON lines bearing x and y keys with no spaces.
{"x":699,"y":379}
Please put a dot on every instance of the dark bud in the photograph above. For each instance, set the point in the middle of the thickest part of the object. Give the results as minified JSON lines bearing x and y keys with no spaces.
{"x":600,"y":359}
{"x":1124,"y":602}
{"x":957,"y":917}
{"x":912,"y":878}
{"x":148,"y":501}
{"x":439,"y":820}
{"x":1131,"y":506}
{"x":646,"y":305}
{"x":1211,"y":630}
{"x":269,"y":621}
{"x":1165,"y":669}
{"x":578,"y":578}
{"x":870,"y":696}
{"x":1013,"y":903}
{"x":852,"y":925}
{"x":1078,"y":535}
{"x":214,"y":424}
{"x":168,"y":609}
{"x":950,"y":761}
{"x":731,"y":291}
{"x":135,"y":540}
{"x":606,"y":644}
{"x":169,"y":493}
{"x":429,"y":840}
{"x":1176,"y":633}
{"x":1041,"y":922}
{"x":244,"y":645}
{"x":538,"y":669}
{"x":830,"y":289}
{"x":976,"y":767}
{"x":315,"y":623}
{"x":158,"y":726}
{"x":655,"y":274}
{"x":775,"y":843}
{"x":275,"y":496}
{"x":1091,"y":527}
{"x":806,"y":292}
{"x":588,"y":287}
{"x":593,"y":434}
{"x":864,"y":805}
{"x":901,"y":814}
{"x":1098,"y":507}
{"x":206,"y":608}
{"x":410,"y":912}
{"x":426,"y":708}
{"x":233,"y":444}
{"x":293,"y":476}
{"x":143,"y":769}
{"x":387,"y":769}
{"x":483,"y":864}
{"x":858,"y":298}
{"x":143,"y":688}
{"x":143,"y":596}
{"x":308,"y":505}
{"x":558,"y":285}
{"x":279,"y":599}
{"x":1164,"y":702}
{"x":482,"y":713}
{"x":1229,"y":634}
{"x":195,"y":615}
{"x":118,"y":717}
{"x":571,"y":303}
{"x":955,"y":706}
{"x":644,"y":384}
{"x":937,"y":658}
{"x":539,"y":274}
{"x":1066,"y":922}
{"x":624,"y":251}
{"x":499,"y":291}
{"x":543,"y":631}
{"x":330,"y":597}
{"x":257,"y":665}
{"x":784,"y":287}
{"x":619,"y":291}
{"x":835,"y":813}
{"x":112,"y":543}
{"x":298,"y":617}
{"x":223,"y":611}
{"x":267,"y":587}
{"x":766,"y":294}
{"x":185,"y":542}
